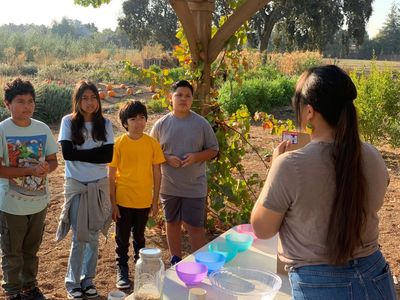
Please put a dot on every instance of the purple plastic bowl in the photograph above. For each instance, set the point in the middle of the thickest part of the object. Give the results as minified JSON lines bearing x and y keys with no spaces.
{"x":191,"y":273}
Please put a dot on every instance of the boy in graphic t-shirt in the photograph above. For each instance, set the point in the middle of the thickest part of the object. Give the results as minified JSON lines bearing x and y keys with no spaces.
{"x":27,"y":154}
{"x":135,"y":176}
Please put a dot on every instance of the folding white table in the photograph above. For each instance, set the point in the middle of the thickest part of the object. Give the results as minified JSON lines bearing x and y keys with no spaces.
{"x":262,"y":255}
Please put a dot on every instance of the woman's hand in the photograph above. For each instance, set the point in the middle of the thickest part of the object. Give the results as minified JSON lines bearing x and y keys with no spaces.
{"x":280,"y":149}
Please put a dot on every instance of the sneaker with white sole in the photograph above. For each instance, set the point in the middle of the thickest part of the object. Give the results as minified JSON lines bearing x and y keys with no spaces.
{"x":123,"y":281}
{"x":90,"y":292}
{"x":75,"y":294}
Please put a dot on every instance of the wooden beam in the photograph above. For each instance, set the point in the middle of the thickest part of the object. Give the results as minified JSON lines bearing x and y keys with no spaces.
{"x":232,"y":24}
{"x":184,"y":14}
{"x":206,"y":6}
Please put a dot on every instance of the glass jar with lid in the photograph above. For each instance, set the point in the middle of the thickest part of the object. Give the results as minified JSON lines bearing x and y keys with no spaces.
{"x":149,"y":275}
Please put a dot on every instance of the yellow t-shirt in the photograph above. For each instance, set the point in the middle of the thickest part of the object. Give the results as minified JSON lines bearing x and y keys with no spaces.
{"x":134,"y":160}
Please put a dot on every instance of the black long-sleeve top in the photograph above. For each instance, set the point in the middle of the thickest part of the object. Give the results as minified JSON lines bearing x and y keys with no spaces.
{"x":99,"y":155}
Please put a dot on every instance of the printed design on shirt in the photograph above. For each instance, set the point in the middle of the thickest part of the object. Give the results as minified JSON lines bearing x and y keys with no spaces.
{"x":25,"y":152}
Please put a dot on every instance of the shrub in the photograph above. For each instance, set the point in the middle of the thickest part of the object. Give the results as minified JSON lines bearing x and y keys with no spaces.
{"x":52,"y":72}
{"x":100,"y":75}
{"x":52,"y":102}
{"x":76,"y":67}
{"x":28,"y":70}
{"x":177,"y":73}
{"x":155,"y":106}
{"x":378,"y":105}
{"x":291,"y":63}
{"x":3,"y":82}
{"x":8,"y":70}
{"x":267,"y":72}
{"x":257,"y":94}
{"x":4,"y":113}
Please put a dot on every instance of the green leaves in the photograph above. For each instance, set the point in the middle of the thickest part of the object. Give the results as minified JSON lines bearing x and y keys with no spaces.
{"x":94,"y":3}
{"x":378,"y":104}
{"x":52,"y":102}
{"x":231,"y":191}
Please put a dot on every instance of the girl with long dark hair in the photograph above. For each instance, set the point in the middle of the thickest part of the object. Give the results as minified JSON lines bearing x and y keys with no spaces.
{"x":323,"y":199}
{"x":86,"y":139}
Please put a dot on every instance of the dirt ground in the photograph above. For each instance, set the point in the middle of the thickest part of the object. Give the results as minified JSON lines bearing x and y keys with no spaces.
{"x":53,"y":256}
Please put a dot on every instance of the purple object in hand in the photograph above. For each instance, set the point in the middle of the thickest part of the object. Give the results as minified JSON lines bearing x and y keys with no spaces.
{"x":191,"y":273}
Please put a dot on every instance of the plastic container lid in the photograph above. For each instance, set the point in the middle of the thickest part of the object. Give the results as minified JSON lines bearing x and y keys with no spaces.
{"x":150,"y":252}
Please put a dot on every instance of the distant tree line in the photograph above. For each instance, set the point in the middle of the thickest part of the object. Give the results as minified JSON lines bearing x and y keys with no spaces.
{"x":282,"y":25}
{"x":64,"y":39}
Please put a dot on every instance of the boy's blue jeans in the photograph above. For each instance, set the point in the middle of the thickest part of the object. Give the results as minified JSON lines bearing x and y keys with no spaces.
{"x":82,"y":260}
{"x":21,"y":236}
{"x":367,"y":278}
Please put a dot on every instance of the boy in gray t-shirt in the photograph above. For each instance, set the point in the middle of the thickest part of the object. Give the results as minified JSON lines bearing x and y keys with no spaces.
{"x":187,"y":141}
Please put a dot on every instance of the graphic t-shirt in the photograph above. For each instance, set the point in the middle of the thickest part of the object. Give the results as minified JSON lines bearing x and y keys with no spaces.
{"x":79,"y":170}
{"x":24,"y":147}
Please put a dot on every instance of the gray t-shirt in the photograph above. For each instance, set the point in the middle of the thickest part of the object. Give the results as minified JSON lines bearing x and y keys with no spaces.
{"x":301,"y":185}
{"x":178,"y":137}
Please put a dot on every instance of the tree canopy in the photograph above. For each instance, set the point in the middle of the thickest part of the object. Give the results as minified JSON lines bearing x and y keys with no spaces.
{"x":149,"y":21}
{"x":311,"y":24}
{"x":389,"y":36}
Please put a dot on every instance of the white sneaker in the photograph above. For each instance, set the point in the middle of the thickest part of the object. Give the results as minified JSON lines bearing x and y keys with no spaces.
{"x":75,"y":294}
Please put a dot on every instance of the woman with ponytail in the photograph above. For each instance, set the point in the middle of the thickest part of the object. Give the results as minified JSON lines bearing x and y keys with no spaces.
{"x":324,"y":198}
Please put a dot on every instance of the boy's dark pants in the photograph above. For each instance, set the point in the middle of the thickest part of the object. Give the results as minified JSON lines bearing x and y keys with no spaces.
{"x":133,"y":221}
{"x":21,"y":236}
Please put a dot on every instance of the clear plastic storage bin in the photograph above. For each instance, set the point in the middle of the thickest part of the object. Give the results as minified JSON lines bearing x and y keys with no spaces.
{"x":236,"y":283}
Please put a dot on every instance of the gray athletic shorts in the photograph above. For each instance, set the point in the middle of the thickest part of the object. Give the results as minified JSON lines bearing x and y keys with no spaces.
{"x":188,"y":210}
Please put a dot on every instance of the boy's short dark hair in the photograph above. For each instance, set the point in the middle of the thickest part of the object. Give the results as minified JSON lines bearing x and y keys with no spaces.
{"x":181,"y":83}
{"x":131,"y":109}
{"x":18,"y":87}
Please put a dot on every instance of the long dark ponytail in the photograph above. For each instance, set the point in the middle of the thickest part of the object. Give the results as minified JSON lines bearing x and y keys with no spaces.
{"x":330,"y":91}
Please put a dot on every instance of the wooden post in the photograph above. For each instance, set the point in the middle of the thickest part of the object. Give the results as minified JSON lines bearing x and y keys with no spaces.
{"x":202,"y":15}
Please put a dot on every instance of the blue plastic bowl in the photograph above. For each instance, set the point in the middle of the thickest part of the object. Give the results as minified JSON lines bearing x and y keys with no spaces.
{"x":240,"y":241}
{"x":223,"y":248}
{"x":213,"y":260}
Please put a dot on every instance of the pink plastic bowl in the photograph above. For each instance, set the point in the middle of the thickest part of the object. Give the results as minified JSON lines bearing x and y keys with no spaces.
{"x":191,"y":273}
{"x":246,"y":228}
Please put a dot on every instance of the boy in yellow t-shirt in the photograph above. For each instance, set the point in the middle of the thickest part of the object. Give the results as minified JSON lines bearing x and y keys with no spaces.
{"x":135,"y":177}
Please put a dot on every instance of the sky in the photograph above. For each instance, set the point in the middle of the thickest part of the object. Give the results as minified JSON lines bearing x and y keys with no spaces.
{"x":47,"y":11}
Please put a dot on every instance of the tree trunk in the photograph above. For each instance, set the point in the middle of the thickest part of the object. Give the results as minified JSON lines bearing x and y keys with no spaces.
{"x":196,"y":17}
{"x":270,"y":20}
